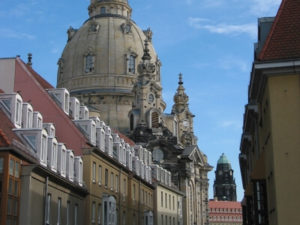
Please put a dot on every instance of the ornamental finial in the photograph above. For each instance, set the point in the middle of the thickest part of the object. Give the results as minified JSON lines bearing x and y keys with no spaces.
{"x":180,"y":79}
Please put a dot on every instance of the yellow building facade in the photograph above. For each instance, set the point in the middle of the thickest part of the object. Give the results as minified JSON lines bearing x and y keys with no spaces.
{"x":269,"y":158}
{"x":117,"y":195}
{"x":168,"y":209}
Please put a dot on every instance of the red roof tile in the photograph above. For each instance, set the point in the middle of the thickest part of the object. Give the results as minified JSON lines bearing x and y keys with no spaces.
{"x":283,"y":41}
{"x":6,"y":133}
{"x":224,"y":204}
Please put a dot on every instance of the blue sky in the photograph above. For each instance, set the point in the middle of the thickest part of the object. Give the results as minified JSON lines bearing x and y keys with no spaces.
{"x":209,"y":41}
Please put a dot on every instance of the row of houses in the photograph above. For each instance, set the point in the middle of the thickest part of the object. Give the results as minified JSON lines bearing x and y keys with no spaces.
{"x":60,"y":164}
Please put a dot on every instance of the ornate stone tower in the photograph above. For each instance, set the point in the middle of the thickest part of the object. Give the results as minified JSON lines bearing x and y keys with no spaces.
{"x":224,"y":185}
{"x":184,"y":116}
{"x":99,"y":62}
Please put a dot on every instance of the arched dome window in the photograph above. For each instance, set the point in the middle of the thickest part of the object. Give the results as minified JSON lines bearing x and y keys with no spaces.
{"x":102,"y":10}
{"x":131,"y":63}
{"x":89,"y":63}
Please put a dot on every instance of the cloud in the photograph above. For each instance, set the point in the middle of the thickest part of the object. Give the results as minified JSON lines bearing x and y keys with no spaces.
{"x":8,"y":33}
{"x":230,"y":62}
{"x":235,"y":124}
{"x":264,"y":7}
{"x":223,"y":28}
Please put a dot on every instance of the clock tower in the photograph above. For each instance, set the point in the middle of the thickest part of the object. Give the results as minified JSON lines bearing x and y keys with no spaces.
{"x":224,"y":185}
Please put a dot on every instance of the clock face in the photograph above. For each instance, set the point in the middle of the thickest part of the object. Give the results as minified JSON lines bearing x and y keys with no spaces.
{"x":151,"y":98}
{"x":186,"y":123}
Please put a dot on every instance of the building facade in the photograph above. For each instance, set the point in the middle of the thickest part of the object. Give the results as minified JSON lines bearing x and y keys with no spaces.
{"x":269,"y":158}
{"x":225,"y":213}
{"x":224,"y":185}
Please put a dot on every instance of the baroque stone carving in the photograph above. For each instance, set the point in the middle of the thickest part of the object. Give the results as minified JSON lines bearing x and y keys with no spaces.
{"x":126,"y":28}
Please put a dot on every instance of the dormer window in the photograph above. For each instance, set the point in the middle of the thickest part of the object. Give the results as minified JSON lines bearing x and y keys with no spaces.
{"x":62,"y":97}
{"x":27,"y":116}
{"x":12,"y":105}
{"x":89,"y":63}
{"x":74,"y":108}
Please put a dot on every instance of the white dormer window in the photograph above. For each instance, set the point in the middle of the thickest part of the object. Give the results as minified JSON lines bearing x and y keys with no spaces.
{"x":61,"y":159}
{"x":74,"y":108}
{"x":62,"y":97}
{"x":88,"y":128}
{"x":84,"y":113}
{"x":52,"y":153}
{"x":78,"y":172}
{"x":36,"y":139}
{"x":70,"y":165}
{"x":49,"y":127}
{"x":100,"y":136}
{"x":37,"y":120}
{"x":96,"y":120}
{"x":12,"y":105}
{"x":27,"y":115}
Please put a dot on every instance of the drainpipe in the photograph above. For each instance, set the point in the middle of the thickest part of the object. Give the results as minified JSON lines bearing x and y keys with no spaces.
{"x":46,"y":195}
{"x":120,"y":195}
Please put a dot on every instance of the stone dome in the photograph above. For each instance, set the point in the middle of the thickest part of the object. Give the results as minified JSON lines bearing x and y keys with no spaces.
{"x":100,"y":60}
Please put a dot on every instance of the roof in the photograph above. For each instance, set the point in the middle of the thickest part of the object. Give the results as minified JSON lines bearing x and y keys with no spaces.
{"x":45,"y":84}
{"x":223,"y":159}
{"x":188,"y":150}
{"x":224,"y":204}
{"x":283,"y":41}
{"x":126,"y":139}
{"x":6,"y":133}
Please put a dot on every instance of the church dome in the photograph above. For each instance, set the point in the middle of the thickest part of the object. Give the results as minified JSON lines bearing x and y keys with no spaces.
{"x":223,"y":160}
{"x":102,"y":56}
{"x":104,"y":52}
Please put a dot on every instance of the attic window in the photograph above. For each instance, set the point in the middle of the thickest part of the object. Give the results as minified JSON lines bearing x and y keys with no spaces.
{"x":89,"y":63}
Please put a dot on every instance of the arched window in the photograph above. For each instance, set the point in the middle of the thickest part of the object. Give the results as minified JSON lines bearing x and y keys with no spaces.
{"x":103,"y":10}
{"x":89,"y":63}
{"x":154,"y":120}
{"x":131,"y":122}
{"x":131,"y":64}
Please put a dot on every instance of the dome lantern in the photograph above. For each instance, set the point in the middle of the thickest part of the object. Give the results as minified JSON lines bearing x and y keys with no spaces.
{"x":100,"y":8}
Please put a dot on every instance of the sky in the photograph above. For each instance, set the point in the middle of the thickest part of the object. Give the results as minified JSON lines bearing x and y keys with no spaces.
{"x":209,"y":41}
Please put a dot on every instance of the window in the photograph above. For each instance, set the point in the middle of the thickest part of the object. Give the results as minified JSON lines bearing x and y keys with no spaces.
{"x":117,"y":183}
{"x":106,"y":177}
{"x":76,"y":215}
{"x":133,"y":192}
{"x":68,"y":213}
{"x":58,"y":210}
{"x":100,"y":175}
{"x":1,"y":165}
{"x":99,"y":214}
{"x":131,"y":64}
{"x":48,"y":209}
{"x":111,"y":181}
{"x":89,"y":63}
{"x":162,"y":219}
{"x":103,"y":10}
{"x":44,"y":149}
{"x":93,"y":212}
{"x":260,"y":202}
{"x":173,"y":203}
{"x":170,"y":201}
{"x":166,"y":200}
{"x":124,"y":188}
{"x":94,"y":172}
{"x":162,"y":199}
{"x":142,"y":198}
{"x":154,"y":120}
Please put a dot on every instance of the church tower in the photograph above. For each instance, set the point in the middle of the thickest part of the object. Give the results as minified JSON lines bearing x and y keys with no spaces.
{"x":184,"y":116}
{"x":224,"y":185}
{"x":99,"y":64}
